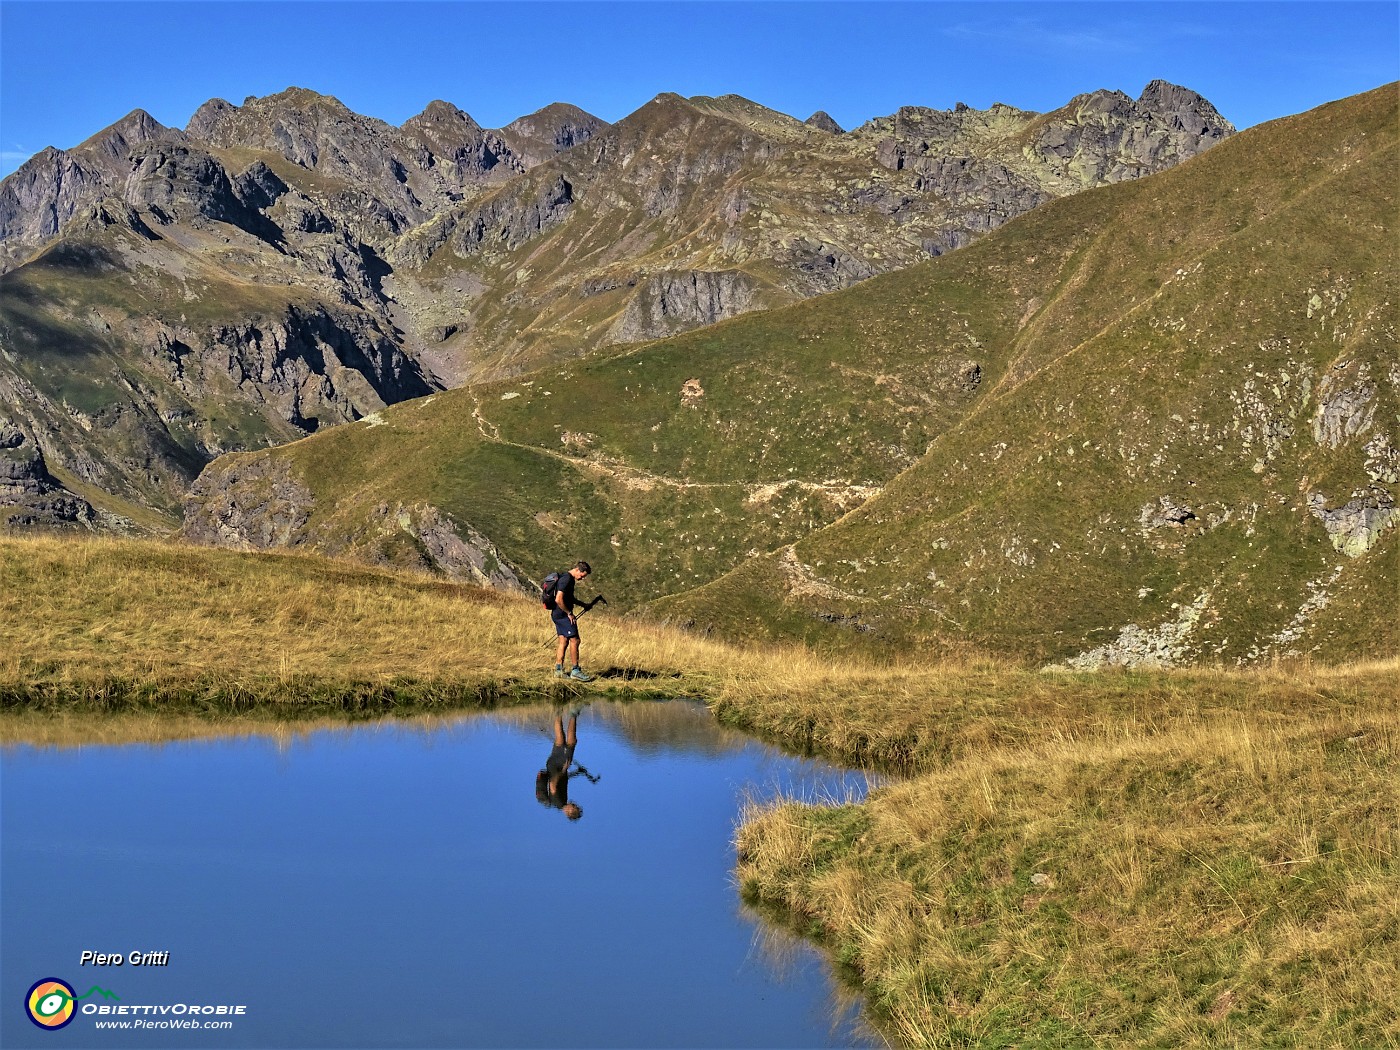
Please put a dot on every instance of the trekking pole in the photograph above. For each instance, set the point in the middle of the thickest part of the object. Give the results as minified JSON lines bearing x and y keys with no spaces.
{"x":589,"y":605}
{"x":585,"y":606}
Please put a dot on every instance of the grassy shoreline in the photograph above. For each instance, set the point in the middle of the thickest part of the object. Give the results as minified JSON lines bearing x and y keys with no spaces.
{"x":1202,"y":857}
{"x":1217,"y":865}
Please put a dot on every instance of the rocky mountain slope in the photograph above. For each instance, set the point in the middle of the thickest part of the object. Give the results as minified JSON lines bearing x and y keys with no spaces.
{"x":287,"y":264}
{"x":691,"y":211}
{"x":220,"y":288}
{"x":1154,"y":422}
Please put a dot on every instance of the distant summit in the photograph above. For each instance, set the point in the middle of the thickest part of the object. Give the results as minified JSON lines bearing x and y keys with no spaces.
{"x":540,"y":136}
{"x":821,"y":120}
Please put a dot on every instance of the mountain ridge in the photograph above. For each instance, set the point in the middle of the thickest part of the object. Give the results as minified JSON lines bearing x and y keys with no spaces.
{"x":431,"y":256}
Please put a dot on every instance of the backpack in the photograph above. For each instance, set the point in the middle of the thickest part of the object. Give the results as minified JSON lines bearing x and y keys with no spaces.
{"x":549,"y":589}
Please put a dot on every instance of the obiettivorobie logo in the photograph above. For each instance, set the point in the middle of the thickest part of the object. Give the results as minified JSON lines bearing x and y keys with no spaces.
{"x":52,"y":1003}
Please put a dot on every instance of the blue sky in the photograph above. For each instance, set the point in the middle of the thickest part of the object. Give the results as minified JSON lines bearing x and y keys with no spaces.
{"x":67,"y":70}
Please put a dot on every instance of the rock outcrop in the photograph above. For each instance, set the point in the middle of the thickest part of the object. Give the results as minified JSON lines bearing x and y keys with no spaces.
{"x":1358,"y":525}
{"x":1106,"y":137}
{"x":459,"y":552}
{"x":1345,"y":404}
{"x":254,"y":503}
{"x":671,"y":302}
{"x":822,"y":121}
{"x":29,"y":494}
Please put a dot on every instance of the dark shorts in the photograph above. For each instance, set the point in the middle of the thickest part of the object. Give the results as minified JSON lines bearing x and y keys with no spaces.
{"x":563,"y":626}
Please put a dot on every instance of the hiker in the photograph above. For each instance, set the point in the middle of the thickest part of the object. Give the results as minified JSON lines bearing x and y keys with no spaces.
{"x":561,"y":611}
{"x":552,"y":782}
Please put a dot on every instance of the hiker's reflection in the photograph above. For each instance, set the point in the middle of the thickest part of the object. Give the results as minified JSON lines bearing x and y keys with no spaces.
{"x":552,"y":782}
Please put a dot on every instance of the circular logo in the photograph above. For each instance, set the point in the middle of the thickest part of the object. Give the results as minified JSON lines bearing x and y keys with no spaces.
{"x":50,"y":1003}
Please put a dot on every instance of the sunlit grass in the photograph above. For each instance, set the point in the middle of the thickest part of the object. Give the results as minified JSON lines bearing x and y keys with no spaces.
{"x":1219,"y":877}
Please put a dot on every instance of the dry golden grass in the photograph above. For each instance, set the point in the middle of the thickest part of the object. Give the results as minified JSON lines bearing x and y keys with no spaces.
{"x":1233,"y":880}
{"x":113,"y":623}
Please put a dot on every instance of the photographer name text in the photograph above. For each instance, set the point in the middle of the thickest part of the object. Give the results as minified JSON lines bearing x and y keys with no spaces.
{"x":136,"y":958}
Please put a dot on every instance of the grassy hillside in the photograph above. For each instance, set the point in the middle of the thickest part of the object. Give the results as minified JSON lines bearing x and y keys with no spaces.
{"x":1210,"y":362}
{"x":96,"y":625}
{"x":1129,"y":395}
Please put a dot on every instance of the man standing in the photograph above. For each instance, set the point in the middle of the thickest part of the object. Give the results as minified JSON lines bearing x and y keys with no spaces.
{"x":566,"y":623}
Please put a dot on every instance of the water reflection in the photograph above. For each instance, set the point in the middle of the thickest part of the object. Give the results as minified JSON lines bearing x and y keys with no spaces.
{"x":403,"y":861}
{"x":552,"y":782}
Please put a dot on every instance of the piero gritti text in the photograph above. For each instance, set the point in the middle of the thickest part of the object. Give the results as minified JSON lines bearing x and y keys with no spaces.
{"x":133,"y":958}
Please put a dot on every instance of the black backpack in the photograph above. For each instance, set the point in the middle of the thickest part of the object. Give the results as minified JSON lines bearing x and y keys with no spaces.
{"x":550,"y":588}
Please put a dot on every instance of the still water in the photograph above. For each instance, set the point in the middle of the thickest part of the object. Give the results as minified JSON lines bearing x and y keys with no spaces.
{"x":411,"y":884}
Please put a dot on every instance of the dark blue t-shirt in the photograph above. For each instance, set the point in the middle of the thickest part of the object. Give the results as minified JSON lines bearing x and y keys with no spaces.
{"x":566,"y":588}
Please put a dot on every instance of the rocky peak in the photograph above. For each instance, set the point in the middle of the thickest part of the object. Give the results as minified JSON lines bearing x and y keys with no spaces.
{"x":1184,"y":109}
{"x":442,"y":114}
{"x":822,"y":121}
{"x":116,"y":140}
{"x":539,"y":136}
{"x":54,"y":185}
{"x":208,"y":117}
{"x":1106,"y":136}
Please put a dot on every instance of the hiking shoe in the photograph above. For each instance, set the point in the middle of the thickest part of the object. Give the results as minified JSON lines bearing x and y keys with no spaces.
{"x":558,"y":670}
{"x":578,"y":674}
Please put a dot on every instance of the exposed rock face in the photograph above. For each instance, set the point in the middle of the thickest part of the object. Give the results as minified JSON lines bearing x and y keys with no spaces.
{"x":1356,"y":527}
{"x":1166,"y":512}
{"x":672,"y":302}
{"x":1107,"y":137}
{"x":53,"y":186}
{"x":1382,"y":460}
{"x":180,"y":183}
{"x":1166,"y":645}
{"x":509,"y":223}
{"x":254,"y":503}
{"x":29,"y":495}
{"x":1345,"y":404}
{"x":311,"y":368}
{"x":541,"y":135}
{"x":162,"y":398}
{"x":459,"y":552}
{"x":822,"y":266}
